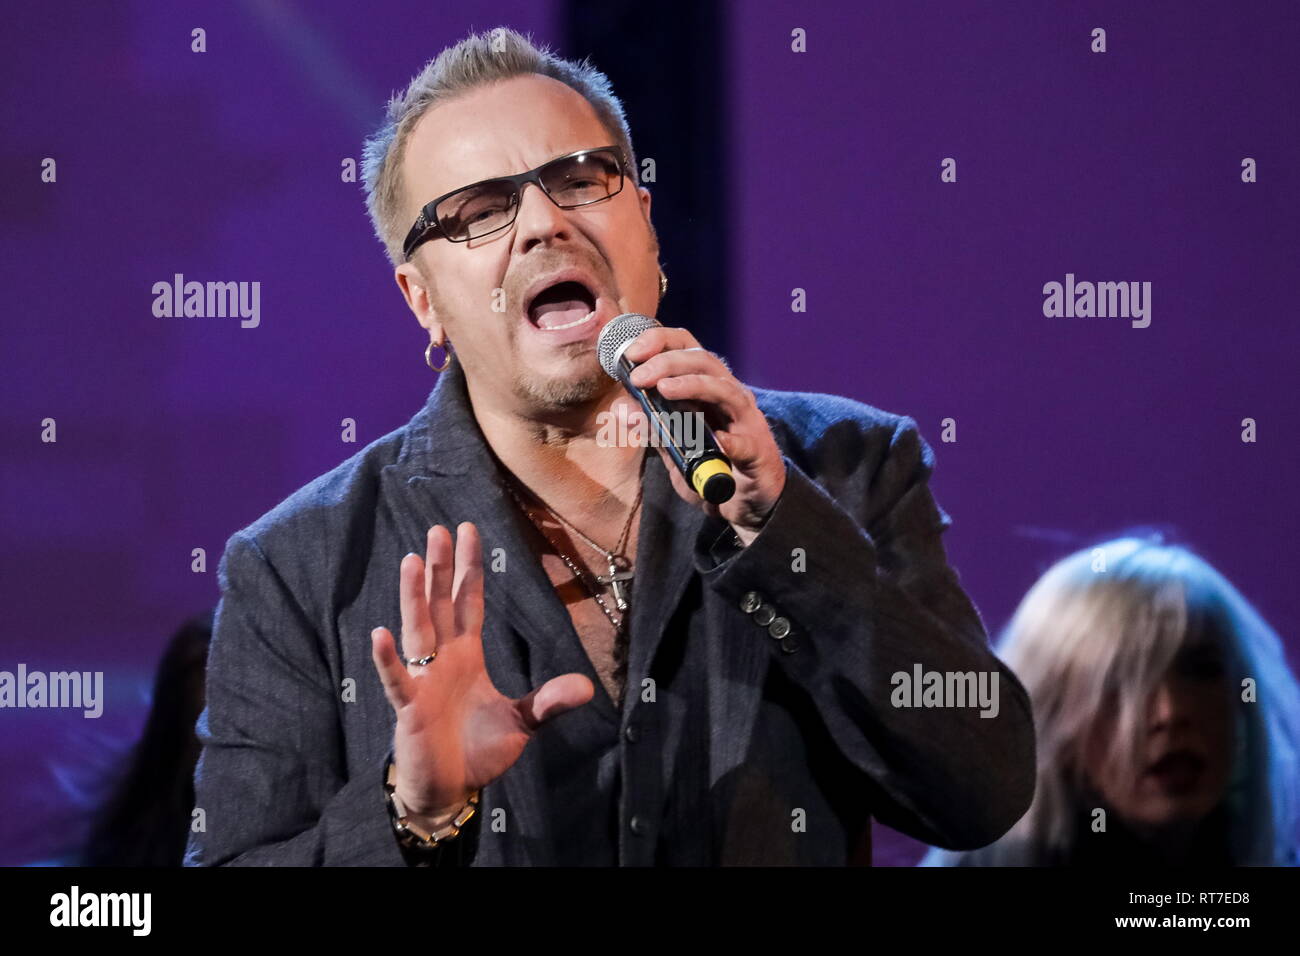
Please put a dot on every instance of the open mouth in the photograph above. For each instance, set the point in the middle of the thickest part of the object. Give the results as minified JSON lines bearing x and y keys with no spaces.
{"x":1178,"y":770}
{"x":562,"y":306}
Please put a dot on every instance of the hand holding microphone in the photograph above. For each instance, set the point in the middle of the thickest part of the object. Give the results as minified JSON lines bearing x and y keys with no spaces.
{"x":667,"y":370}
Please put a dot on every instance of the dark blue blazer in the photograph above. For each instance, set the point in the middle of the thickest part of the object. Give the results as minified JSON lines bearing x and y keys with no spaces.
{"x":797,"y":740}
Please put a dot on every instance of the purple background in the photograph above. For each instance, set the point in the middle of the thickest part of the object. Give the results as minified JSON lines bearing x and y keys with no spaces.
{"x":923,"y":297}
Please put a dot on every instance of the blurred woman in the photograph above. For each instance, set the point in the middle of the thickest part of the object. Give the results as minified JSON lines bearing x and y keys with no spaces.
{"x":145,"y":819}
{"x":1168,"y":722}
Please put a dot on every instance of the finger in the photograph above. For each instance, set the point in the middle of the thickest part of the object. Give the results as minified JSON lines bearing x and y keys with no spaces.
{"x":683,"y":487}
{"x":683,"y":490}
{"x":417,"y":636}
{"x":658,"y":339}
{"x":679,"y":483}
{"x":439,"y":575}
{"x":557,"y":695}
{"x":398,"y":687}
{"x":716,"y":394}
{"x":467,"y":591}
{"x":679,"y":362}
{"x":741,"y":448}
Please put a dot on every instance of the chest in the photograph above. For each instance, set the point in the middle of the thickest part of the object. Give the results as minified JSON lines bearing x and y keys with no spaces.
{"x":604,"y":646}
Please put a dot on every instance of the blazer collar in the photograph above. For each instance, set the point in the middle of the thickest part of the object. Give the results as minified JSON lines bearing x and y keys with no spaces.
{"x":444,"y":438}
{"x":446,"y":473}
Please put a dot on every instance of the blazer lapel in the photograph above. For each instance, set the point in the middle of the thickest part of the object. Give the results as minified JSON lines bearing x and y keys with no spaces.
{"x":448,"y":475}
{"x":665,"y":563}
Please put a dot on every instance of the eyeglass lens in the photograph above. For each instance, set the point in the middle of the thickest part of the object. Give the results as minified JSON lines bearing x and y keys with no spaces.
{"x":570,"y":181}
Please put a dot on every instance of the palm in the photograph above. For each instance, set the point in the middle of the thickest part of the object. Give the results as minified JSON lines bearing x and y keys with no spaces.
{"x":456,"y":732}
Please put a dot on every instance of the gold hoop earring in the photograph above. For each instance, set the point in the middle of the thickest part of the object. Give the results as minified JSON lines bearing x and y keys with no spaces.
{"x":663,"y":283}
{"x":446,"y":360}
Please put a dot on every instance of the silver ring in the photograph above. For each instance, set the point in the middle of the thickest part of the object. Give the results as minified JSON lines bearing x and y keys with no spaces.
{"x":421,"y":661}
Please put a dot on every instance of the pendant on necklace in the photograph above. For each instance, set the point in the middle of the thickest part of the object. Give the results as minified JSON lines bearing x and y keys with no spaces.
{"x":620,"y":578}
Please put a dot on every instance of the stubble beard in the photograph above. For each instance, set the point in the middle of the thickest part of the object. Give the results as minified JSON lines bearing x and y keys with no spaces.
{"x":562,"y":393}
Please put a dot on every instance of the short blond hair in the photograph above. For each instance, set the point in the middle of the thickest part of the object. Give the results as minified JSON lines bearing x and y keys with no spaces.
{"x":478,"y":60}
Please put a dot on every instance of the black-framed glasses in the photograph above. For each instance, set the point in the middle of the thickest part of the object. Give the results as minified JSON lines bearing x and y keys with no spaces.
{"x":476,"y":210}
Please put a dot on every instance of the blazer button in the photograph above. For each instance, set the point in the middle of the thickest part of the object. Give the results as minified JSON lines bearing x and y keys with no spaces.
{"x":751,"y":602}
{"x":789,"y":645}
{"x":636,"y":826}
{"x":779,"y":627}
{"x":764,"y":615}
{"x":631,"y":734}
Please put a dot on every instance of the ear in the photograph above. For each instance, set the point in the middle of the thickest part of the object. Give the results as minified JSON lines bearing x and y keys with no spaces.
{"x":643,"y":195}
{"x":419,"y":298}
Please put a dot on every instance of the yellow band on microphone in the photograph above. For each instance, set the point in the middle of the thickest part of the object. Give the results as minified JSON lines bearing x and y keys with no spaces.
{"x":706,"y":470}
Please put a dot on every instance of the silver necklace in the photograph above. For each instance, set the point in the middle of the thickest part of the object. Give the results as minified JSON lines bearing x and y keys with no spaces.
{"x":619,"y":574}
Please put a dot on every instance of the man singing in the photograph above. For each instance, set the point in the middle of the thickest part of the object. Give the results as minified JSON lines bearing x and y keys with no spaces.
{"x":596,"y":667}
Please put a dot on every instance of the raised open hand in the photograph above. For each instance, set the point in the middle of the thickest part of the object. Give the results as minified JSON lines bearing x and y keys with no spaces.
{"x":456,"y":732}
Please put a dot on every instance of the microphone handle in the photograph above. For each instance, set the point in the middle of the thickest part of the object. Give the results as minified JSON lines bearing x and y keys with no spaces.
{"x":656,"y":407}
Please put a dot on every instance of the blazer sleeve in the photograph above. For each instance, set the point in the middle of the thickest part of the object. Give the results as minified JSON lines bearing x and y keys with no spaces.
{"x":271,"y":781}
{"x":864,"y":582}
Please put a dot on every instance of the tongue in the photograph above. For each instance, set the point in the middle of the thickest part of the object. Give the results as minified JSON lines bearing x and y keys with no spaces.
{"x":550,"y":315}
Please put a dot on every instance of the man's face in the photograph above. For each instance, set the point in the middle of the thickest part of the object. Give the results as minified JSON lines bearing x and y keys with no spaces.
{"x":458,"y":289}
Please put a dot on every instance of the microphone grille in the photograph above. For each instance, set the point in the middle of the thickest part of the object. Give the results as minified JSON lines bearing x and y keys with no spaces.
{"x":619,"y":331}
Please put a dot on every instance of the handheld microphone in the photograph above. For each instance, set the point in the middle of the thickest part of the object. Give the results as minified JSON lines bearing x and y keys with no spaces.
{"x":702,"y":463}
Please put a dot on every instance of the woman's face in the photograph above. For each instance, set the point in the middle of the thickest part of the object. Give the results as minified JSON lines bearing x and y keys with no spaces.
{"x":1187,"y":755}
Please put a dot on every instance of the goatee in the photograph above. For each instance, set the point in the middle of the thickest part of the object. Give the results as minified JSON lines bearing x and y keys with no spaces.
{"x":563,"y":393}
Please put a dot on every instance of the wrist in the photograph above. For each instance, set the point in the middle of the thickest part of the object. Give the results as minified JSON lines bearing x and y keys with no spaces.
{"x":434,"y":820}
{"x":426,"y":830}
{"x":420,"y":807}
{"x":746,"y":533}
